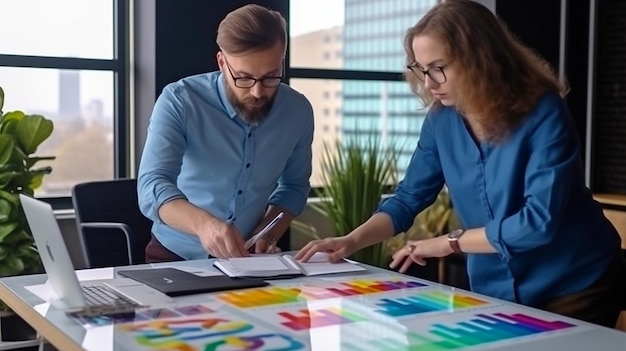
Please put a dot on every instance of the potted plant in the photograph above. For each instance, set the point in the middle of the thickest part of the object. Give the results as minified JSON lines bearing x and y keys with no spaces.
{"x":20,"y":135}
{"x":355,"y":175}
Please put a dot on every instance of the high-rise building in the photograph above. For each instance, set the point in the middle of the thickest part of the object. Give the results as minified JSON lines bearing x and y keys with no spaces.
{"x":373,"y":36}
{"x":321,"y":48}
{"x":69,"y":94}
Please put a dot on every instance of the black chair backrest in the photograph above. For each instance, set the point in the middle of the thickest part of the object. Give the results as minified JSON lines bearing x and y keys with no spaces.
{"x":113,"y":201}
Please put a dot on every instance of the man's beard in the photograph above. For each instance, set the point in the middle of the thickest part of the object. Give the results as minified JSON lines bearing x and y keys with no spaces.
{"x":250,"y":115}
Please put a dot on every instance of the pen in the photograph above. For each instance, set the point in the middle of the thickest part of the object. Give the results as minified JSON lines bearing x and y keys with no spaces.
{"x":263,"y":231}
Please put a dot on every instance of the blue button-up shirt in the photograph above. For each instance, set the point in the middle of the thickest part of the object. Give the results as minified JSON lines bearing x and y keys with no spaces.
{"x":198,"y":148}
{"x":528,"y":192}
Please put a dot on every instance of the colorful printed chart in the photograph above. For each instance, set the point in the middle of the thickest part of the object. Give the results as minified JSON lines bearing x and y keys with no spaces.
{"x":219,"y":330}
{"x":275,"y":295}
{"x":387,"y":314}
{"x":458,"y":332}
{"x":429,"y":301}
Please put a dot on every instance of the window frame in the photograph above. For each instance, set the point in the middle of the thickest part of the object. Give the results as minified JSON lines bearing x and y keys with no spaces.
{"x":339,"y":74}
{"x":119,"y":66}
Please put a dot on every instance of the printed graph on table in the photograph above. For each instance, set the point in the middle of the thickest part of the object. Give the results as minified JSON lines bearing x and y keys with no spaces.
{"x":428,"y":301}
{"x":215,"y":331}
{"x":480,"y":330}
{"x":275,"y":295}
{"x":305,"y":317}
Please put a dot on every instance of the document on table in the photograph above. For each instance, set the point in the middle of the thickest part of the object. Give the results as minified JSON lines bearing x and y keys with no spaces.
{"x":269,"y":266}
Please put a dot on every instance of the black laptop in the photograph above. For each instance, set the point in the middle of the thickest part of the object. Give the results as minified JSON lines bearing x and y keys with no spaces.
{"x":174,"y":282}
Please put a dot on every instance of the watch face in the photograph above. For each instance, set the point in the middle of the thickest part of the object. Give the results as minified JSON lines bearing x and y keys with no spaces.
{"x":455,"y":234}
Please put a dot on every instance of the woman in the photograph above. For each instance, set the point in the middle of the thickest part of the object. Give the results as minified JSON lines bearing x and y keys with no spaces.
{"x":499,"y":136}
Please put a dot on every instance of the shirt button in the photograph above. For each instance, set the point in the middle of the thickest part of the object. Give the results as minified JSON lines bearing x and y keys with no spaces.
{"x":249,"y":135}
{"x":230,"y":216}
{"x":248,"y":165}
{"x":240,"y":192}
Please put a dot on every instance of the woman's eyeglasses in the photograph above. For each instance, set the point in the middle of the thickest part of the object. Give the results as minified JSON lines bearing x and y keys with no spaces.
{"x":435,"y":73}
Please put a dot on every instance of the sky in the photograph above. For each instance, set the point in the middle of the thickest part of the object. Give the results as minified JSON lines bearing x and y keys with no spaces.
{"x":78,"y":28}
{"x":310,"y":15}
{"x":83,"y":28}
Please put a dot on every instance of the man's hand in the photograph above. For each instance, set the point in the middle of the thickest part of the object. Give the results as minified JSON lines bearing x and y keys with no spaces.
{"x":222,"y":240}
{"x":267,"y":244}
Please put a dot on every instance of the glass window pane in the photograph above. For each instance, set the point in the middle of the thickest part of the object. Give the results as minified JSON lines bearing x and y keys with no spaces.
{"x":63,"y":28}
{"x":80,"y":103}
{"x":352,"y":34}
{"x":387,"y":109}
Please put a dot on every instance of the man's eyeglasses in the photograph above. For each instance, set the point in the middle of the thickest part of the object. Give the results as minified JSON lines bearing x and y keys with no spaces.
{"x":249,"y":82}
{"x":435,"y":73}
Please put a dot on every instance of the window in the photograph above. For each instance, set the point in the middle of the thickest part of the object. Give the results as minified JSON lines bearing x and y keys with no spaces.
{"x":364,"y":70}
{"x":66,"y":60}
{"x":384,"y":107}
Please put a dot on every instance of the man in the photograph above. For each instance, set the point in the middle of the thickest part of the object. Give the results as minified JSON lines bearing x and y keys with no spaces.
{"x":228,"y":151}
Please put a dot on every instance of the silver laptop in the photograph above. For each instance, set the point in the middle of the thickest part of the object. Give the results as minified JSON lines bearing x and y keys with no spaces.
{"x":93,"y":297}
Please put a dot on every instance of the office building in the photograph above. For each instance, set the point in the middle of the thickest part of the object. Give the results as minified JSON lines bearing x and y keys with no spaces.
{"x":321,"y":48}
{"x":372,"y":41}
{"x":69,"y":94}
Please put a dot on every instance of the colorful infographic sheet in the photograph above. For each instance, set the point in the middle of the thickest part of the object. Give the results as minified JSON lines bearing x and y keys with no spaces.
{"x":378,"y":313}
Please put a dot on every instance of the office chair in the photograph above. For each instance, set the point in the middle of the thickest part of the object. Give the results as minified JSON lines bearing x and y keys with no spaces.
{"x":112,"y":229}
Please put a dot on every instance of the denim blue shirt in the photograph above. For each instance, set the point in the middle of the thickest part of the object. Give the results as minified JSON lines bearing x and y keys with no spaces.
{"x":198,"y":149}
{"x":528,"y":192}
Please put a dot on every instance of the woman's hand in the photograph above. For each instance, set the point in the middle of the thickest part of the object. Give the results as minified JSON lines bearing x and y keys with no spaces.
{"x":417,"y":251}
{"x":337,"y":248}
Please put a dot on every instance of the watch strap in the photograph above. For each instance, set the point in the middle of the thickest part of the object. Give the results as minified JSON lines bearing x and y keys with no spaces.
{"x":454,"y":240}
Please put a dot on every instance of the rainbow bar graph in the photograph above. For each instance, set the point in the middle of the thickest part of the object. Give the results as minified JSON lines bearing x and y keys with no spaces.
{"x":319,"y":318}
{"x":280,"y":295}
{"x":427,"y":302}
{"x":482,"y":329}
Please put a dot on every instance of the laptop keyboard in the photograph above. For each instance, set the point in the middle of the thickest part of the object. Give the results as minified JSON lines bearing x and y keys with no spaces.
{"x":102,"y":301}
{"x":101,"y":295}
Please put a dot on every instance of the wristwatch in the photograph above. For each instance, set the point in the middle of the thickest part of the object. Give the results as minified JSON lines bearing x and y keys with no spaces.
{"x":453,"y":239}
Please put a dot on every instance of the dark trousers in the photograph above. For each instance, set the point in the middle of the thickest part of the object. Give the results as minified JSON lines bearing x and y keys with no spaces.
{"x":601,"y":303}
{"x":156,"y":252}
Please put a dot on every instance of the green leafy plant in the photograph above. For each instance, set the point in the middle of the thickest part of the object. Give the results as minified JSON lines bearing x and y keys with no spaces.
{"x":20,"y":135}
{"x":356,"y":174}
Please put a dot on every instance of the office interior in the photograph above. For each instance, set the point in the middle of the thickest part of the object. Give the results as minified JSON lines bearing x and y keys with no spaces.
{"x":161,"y":41}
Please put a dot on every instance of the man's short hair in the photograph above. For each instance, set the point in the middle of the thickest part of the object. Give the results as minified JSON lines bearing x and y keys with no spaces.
{"x":251,"y":28}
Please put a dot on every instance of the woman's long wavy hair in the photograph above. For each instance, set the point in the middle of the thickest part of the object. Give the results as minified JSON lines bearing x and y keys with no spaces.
{"x":498,"y":80}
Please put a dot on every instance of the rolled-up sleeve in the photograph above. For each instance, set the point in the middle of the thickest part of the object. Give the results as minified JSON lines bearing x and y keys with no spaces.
{"x":162,"y":154}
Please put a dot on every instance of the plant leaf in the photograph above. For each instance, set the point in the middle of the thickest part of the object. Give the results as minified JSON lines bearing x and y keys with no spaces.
{"x":11,"y":265}
{"x":355,"y":174}
{"x":10,"y":120}
{"x":6,"y":148}
{"x":32,"y":130}
{"x":6,"y":229}
{"x":1,"y":100}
